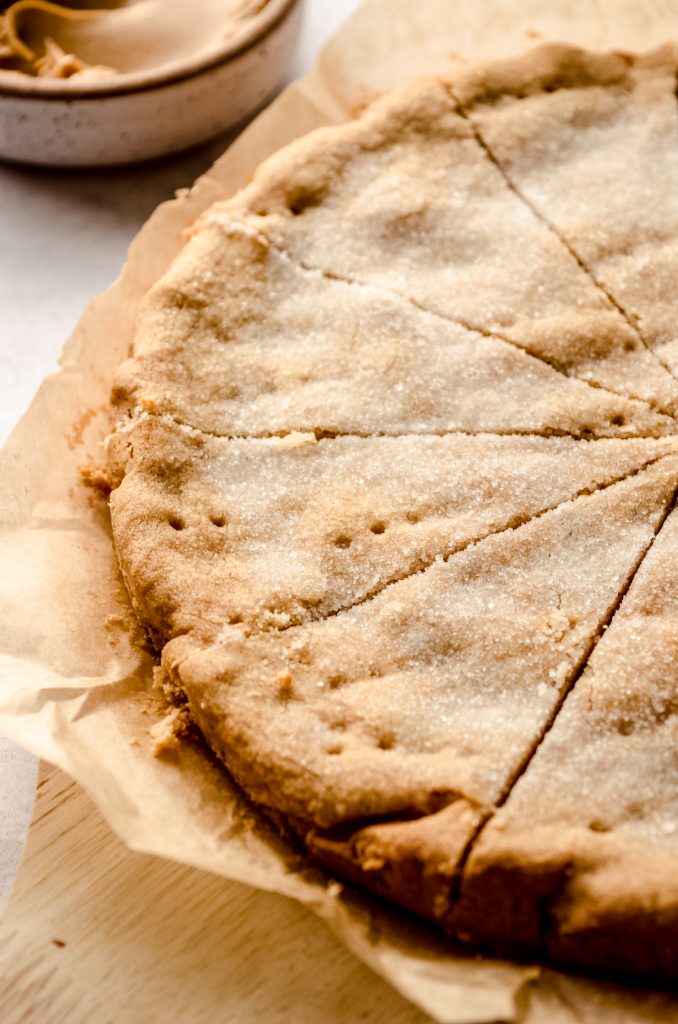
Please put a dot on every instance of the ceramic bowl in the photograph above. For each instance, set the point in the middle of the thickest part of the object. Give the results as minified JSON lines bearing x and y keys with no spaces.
{"x":87,"y":124}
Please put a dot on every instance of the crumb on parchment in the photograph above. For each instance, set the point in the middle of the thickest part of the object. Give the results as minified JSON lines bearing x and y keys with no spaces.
{"x":284,"y":681}
{"x":167,"y":733}
{"x":96,"y":477}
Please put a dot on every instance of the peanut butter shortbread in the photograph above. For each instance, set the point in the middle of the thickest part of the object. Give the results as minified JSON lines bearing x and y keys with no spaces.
{"x":393,"y":492}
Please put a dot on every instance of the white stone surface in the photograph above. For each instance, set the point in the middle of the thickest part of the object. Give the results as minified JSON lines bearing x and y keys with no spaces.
{"x":63,"y":239}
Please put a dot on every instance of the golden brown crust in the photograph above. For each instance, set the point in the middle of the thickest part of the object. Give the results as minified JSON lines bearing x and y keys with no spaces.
{"x":413,"y":863}
{"x":375,"y":632}
{"x":547,"y":69}
{"x":580,"y":863}
{"x":575,"y":897}
{"x":557,"y":66}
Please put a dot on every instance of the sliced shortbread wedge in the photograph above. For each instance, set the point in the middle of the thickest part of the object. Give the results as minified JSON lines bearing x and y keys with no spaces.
{"x":591,"y":142}
{"x":583,"y":856}
{"x":256,"y":346}
{"x":276,"y":531}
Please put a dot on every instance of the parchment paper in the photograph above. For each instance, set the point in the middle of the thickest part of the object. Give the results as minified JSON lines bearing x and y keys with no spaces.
{"x":74,"y":675}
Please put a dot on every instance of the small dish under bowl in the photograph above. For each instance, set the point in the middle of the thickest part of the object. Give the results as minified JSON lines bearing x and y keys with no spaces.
{"x":124,"y":119}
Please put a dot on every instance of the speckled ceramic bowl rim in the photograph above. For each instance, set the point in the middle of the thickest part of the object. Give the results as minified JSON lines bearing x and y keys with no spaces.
{"x":47,"y":89}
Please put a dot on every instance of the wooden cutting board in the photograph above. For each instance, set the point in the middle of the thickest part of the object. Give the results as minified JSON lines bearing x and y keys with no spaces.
{"x":95,"y":934}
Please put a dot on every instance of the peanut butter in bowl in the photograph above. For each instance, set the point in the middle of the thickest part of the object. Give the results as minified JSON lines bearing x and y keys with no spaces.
{"x":104,"y":39}
{"x":100,"y":82}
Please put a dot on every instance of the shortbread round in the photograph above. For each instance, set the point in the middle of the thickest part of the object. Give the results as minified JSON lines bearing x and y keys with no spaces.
{"x":394,"y":487}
